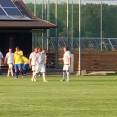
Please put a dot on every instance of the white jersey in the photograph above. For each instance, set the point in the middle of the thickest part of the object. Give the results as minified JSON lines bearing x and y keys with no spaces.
{"x":10,"y":57}
{"x":33,"y":57}
{"x":42,"y":58}
{"x":38,"y":58}
{"x":66,"y":57}
{"x":41,"y":66}
{"x":1,"y":56}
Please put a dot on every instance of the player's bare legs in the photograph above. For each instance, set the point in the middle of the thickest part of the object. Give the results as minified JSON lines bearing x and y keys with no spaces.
{"x":16,"y":73}
{"x":68,"y":75}
{"x":66,"y":72}
{"x":34,"y":75}
{"x":10,"y":71}
{"x":8,"y":74}
{"x":67,"y":63}
{"x":44,"y":77}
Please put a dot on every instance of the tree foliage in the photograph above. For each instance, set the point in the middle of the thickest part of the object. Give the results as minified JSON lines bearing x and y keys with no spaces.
{"x":90,"y":19}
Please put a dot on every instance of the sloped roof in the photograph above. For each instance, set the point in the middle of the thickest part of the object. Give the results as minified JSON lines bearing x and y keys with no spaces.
{"x":35,"y":23}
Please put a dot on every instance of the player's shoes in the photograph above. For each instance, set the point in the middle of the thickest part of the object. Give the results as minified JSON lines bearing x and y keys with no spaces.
{"x":8,"y":75}
{"x":45,"y":81}
{"x":67,"y":80}
{"x":22,"y":76}
{"x":32,"y":79}
{"x":16,"y":77}
{"x":62,"y":80}
{"x":39,"y":75}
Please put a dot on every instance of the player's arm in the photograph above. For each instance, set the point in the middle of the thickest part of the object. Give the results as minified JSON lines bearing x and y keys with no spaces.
{"x":20,"y":53}
{"x":69,"y":59}
{"x":14,"y":59}
{"x":5,"y":59}
{"x":60,"y":59}
{"x":30,"y":62}
{"x":2,"y":59}
{"x":45,"y":59}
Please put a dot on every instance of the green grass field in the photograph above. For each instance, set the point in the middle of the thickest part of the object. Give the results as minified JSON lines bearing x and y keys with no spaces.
{"x":83,"y":96}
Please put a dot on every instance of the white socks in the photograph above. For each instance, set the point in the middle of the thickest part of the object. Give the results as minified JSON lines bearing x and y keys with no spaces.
{"x":43,"y":74}
{"x":10,"y":71}
{"x":68,"y":76}
{"x":63,"y":75}
{"x":34,"y":74}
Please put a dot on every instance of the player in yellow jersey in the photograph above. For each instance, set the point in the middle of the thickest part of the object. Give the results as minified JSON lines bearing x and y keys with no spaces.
{"x":18,"y":61}
{"x":25,"y":63}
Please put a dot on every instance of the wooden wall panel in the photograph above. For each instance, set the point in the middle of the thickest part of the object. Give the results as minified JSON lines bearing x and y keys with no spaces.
{"x":97,"y":60}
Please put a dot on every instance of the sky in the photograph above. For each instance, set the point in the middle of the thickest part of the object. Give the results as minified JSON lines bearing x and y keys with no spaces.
{"x":114,"y":2}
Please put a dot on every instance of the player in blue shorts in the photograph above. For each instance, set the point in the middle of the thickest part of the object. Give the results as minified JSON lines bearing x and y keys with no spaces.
{"x":18,"y":61}
{"x":25,"y":63}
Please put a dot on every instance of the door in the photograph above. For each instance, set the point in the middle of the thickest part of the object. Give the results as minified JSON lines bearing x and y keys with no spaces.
{"x":11,"y":41}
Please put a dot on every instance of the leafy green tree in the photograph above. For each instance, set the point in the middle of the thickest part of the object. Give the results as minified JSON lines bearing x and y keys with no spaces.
{"x":90,"y":19}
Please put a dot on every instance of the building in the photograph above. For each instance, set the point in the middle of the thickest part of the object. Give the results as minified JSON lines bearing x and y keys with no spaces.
{"x":17,"y":23}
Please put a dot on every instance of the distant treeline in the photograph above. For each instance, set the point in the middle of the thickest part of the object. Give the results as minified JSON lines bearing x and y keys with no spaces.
{"x":90,"y":19}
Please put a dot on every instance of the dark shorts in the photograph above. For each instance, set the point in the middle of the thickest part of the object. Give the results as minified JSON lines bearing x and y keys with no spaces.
{"x":18,"y":66}
{"x":25,"y":66}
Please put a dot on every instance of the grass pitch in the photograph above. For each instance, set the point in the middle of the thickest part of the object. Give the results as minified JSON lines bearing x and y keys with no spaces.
{"x":83,"y":96}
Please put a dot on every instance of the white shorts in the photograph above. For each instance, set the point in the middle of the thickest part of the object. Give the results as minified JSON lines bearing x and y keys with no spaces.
{"x":66,"y":67}
{"x":39,"y":68}
{"x":10,"y":65}
{"x":42,"y":68}
{"x":33,"y":67}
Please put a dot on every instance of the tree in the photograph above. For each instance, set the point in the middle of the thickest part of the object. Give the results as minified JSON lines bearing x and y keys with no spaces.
{"x":90,"y":23}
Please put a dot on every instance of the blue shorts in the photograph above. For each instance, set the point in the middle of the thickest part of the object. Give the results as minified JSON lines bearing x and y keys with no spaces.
{"x":18,"y":66}
{"x":25,"y":66}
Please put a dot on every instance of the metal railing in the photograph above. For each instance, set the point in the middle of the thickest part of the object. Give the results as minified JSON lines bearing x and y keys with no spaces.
{"x":108,"y":44}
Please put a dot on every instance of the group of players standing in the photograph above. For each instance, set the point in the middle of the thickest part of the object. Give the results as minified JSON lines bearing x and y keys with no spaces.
{"x":20,"y":63}
{"x":36,"y":61}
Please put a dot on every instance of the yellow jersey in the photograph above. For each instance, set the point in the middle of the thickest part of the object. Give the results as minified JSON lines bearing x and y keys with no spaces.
{"x":18,"y":57}
{"x":25,"y":60}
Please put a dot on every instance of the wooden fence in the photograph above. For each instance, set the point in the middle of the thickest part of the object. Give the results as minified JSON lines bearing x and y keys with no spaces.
{"x":96,"y":60}
{"x":90,"y":60}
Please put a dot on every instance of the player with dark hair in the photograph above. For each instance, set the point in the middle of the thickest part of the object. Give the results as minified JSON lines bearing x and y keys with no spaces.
{"x":9,"y":58}
{"x":25,"y":66}
{"x":42,"y":64}
{"x":33,"y":63}
{"x":18,"y":61}
{"x":39,"y":51}
{"x":67,"y":63}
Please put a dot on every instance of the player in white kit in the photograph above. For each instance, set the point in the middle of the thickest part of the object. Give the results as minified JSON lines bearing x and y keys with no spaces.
{"x":33,"y":63}
{"x":67,"y":63}
{"x":9,"y":59}
{"x":1,"y":59}
{"x":39,"y":73}
{"x":42,"y":63}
